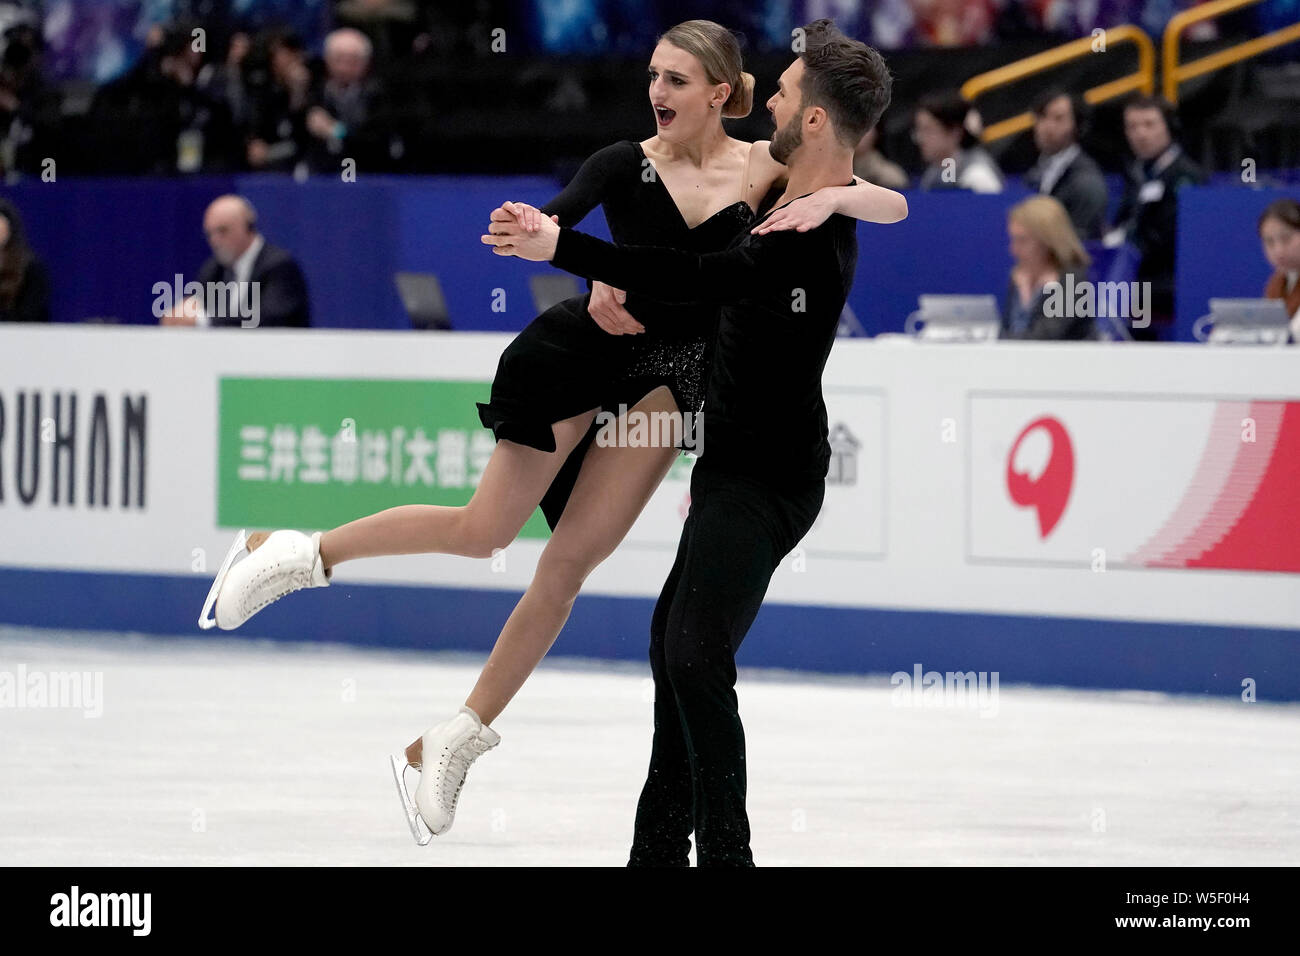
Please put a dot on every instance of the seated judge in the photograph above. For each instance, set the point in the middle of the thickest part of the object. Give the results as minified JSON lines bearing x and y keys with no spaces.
{"x":267,"y":283}
{"x":1064,"y":171}
{"x":1046,"y":250}
{"x":945,"y":130}
{"x":1279,"y":233}
{"x":1148,"y":213}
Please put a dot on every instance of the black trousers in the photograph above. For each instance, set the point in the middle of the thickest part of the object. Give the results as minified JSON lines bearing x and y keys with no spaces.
{"x":736,"y":534}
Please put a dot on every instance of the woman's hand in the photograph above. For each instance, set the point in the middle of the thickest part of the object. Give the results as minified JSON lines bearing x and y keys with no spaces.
{"x":606,"y":303}
{"x":800,"y":215}
{"x":518,"y":229}
{"x":529,"y":217}
{"x":606,"y":307}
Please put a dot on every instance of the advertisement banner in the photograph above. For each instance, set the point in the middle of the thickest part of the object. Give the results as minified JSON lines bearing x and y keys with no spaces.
{"x":314,"y":453}
{"x":1035,"y":479}
{"x":1150,"y":482}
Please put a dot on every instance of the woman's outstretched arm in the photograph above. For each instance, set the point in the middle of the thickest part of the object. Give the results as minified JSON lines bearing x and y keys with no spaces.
{"x":868,"y":202}
{"x":734,"y":275}
{"x":862,"y":200}
{"x":588,"y":187}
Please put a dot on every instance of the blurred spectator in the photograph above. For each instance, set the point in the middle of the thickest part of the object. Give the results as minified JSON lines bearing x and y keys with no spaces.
{"x":1148,"y":214}
{"x":870,"y":164}
{"x":29,"y":109}
{"x":1046,"y":250}
{"x":175,"y":125}
{"x":1064,"y":171}
{"x":1279,"y":232}
{"x":278,"y":124}
{"x":342,"y":119}
{"x":223,"y":80}
{"x":270,"y":286}
{"x":394,"y":25}
{"x":943,"y":129}
{"x":24,"y":280}
{"x":954,"y":22}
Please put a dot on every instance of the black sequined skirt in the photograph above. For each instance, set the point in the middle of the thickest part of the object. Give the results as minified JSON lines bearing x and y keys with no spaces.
{"x":563,"y":364}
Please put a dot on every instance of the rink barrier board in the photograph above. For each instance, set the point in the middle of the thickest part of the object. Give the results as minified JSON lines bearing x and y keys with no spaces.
{"x":1067,"y":652}
{"x":1164,"y":505}
{"x":388,"y":230}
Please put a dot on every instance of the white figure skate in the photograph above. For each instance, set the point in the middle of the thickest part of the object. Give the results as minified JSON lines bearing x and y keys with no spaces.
{"x":285,"y":562}
{"x":448,"y":750}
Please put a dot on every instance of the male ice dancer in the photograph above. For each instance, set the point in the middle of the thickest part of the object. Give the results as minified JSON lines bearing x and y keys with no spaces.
{"x":760,"y":479}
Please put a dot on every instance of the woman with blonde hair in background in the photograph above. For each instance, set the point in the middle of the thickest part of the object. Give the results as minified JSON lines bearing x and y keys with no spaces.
{"x":1046,"y":250}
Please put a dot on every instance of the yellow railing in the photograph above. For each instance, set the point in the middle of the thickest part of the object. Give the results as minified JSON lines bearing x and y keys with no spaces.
{"x":1143,"y":79}
{"x":1174,"y":74}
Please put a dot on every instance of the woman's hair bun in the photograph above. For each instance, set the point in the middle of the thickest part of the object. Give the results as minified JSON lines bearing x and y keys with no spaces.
{"x":741,"y":100}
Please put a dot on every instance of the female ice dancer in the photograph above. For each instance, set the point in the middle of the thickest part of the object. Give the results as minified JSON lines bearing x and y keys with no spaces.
{"x":689,"y":186}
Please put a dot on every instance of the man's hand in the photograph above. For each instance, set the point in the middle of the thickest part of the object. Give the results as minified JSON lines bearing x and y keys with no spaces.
{"x":184,"y":314}
{"x":800,"y":215}
{"x":606,"y":307}
{"x":518,"y":229}
{"x":257,"y":153}
{"x":319,"y":123}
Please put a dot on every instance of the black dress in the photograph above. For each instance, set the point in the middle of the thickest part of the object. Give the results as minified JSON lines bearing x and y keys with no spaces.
{"x":564,"y":364}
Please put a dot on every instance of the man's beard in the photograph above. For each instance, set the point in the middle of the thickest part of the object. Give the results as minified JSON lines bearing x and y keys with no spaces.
{"x":787,"y":139}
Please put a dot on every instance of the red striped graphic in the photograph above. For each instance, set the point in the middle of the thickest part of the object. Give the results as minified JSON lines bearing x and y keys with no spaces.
{"x":1240,"y":511}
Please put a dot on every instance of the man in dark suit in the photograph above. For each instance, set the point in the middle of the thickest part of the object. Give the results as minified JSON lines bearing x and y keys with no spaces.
{"x":1148,"y":214}
{"x":345,"y":115}
{"x":1064,"y":171}
{"x":248,"y":282}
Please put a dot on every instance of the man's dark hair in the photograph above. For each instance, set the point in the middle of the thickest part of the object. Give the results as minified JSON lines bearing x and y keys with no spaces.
{"x":1078,"y":107}
{"x":178,"y":37}
{"x":175,"y":42}
{"x":846,"y":78}
{"x":1146,"y":101}
{"x":950,"y":108}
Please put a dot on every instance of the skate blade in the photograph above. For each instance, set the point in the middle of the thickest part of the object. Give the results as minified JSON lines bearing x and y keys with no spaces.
{"x":419,"y":829}
{"x":206,"y":622}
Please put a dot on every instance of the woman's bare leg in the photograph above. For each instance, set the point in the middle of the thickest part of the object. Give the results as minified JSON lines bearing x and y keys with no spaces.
{"x":514,"y":481}
{"x":611,"y":490}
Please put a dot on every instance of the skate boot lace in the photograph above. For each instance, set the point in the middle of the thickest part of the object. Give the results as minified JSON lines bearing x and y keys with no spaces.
{"x":455,"y":765}
{"x":297,"y":579}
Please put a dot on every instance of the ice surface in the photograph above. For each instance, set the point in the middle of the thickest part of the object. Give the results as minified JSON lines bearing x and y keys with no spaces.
{"x":239,"y":752}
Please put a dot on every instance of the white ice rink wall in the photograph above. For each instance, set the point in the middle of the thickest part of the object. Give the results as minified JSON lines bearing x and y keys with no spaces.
{"x":1089,"y":515}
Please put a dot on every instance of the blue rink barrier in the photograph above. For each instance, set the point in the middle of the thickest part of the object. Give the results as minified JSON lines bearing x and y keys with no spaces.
{"x":352,"y":237}
{"x":1070,"y":652}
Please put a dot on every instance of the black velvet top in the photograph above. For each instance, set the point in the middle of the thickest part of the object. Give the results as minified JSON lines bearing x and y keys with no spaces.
{"x":641,"y":212}
{"x":781,"y":296}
